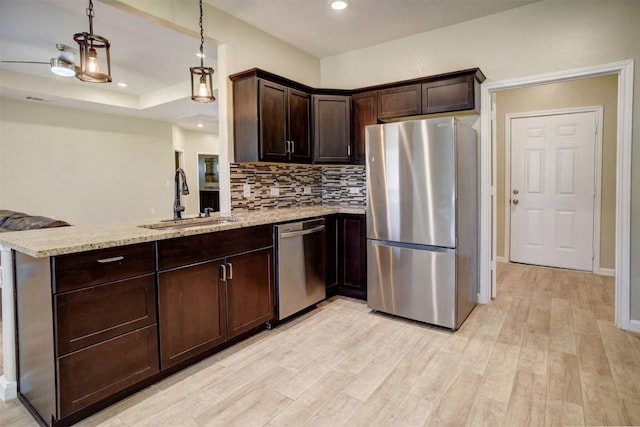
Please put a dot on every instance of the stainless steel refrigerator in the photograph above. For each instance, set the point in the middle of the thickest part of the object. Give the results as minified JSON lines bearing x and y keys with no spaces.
{"x":422,"y":220}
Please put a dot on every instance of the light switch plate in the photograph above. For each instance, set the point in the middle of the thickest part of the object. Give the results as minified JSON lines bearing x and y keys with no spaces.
{"x":354,"y":190}
{"x":306,"y":190}
{"x":246,"y":191}
{"x":275,"y":191}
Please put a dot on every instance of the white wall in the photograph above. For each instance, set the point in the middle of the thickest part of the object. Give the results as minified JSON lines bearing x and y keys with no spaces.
{"x":80,"y":166}
{"x":192,"y":144}
{"x":543,"y":37}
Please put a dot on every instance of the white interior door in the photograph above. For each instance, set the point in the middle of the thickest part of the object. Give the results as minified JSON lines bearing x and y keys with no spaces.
{"x":553,"y":189}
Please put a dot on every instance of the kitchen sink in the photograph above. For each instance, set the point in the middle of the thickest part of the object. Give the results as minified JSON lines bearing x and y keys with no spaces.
{"x":181,"y":224}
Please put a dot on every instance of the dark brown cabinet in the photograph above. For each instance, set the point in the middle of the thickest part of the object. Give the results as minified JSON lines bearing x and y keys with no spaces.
{"x":249,"y":291}
{"x":192,"y":312}
{"x":331,"y":128}
{"x":272,"y":119}
{"x":214,"y":294}
{"x":364,"y":110}
{"x":399,"y":101}
{"x":353,"y":258}
{"x":454,"y":94}
{"x":105,"y":311}
{"x":346,"y":255}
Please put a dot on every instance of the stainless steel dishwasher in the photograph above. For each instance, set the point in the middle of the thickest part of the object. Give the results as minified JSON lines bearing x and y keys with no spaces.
{"x":300,"y":266}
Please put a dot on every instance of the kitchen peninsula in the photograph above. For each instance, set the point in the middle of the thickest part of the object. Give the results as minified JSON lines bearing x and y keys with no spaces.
{"x":101,"y":310}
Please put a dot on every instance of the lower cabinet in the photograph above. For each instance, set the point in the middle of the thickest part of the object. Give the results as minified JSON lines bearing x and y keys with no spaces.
{"x":192,"y":312}
{"x":201,"y":306}
{"x":96,"y":326}
{"x":206,"y":302}
{"x":349,"y":252}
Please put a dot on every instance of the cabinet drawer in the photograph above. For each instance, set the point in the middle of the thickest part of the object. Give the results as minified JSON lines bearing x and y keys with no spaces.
{"x":97,"y":372}
{"x":86,"y":269}
{"x":204,"y":247}
{"x":91,"y":315}
{"x":449,"y":95}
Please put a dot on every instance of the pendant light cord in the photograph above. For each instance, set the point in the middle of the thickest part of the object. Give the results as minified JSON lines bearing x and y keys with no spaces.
{"x":201,"y":38}
{"x":90,"y":14}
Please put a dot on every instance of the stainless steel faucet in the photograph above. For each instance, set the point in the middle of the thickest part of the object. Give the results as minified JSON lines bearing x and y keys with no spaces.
{"x":184,"y":189}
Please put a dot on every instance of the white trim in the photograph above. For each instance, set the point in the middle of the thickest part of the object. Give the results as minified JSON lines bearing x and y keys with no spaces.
{"x":624,"y":70}
{"x":606,"y":272}
{"x":599,"y":112}
{"x":8,"y":384}
{"x":634,"y":326}
{"x":501,"y":259}
{"x":494,"y":198}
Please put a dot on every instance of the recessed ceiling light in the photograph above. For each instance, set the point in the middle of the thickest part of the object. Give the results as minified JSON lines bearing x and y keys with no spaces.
{"x":122,"y":84}
{"x":200,"y":125}
{"x":339,"y":4}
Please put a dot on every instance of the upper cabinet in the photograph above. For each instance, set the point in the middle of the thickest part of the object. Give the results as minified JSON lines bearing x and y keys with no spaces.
{"x":274,"y":119}
{"x":331,"y":128}
{"x":364,"y":107}
{"x":399,"y":101}
{"x":271,"y":119}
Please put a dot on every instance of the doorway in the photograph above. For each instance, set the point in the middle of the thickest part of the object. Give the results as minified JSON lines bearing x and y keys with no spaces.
{"x":552,"y":188}
{"x":623,"y":71}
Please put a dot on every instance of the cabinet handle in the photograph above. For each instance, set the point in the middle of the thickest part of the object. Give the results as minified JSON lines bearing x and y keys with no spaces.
{"x":108,"y":260}
{"x":230,"y":270}
{"x":348,"y":150}
{"x":223,"y":272}
{"x":287,"y":148}
{"x":293,"y":147}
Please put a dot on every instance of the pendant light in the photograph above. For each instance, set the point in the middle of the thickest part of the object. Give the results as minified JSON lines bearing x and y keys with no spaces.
{"x":95,"y":62}
{"x":202,"y":77}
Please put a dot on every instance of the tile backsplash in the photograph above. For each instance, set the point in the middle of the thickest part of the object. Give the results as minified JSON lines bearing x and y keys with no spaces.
{"x":270,"y":185}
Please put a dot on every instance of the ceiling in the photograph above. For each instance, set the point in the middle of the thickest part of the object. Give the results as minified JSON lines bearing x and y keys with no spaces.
{"x":153,"y":59}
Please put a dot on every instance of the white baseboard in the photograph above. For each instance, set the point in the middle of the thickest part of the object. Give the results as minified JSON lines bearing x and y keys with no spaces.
{"x":501,"y":259}
{"x":8,"y":389}
{"x":606,"y":272}
{"x":634,"y":325}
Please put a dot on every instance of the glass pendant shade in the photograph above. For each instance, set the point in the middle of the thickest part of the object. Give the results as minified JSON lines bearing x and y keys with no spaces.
{"x":202,"y":84}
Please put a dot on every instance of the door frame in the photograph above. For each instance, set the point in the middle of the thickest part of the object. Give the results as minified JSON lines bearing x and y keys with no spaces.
{"x":625,"y":72}
{"x":599,"y":110}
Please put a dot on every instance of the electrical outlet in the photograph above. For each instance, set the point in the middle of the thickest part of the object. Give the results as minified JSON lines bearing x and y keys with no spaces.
{"x":275,"y":191}
{"x":306,"y":190}
{"x":354,"y":190}
{"x":246,"y":191}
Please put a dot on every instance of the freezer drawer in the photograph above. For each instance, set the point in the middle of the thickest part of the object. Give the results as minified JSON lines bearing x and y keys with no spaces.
{"x":418,"y":284}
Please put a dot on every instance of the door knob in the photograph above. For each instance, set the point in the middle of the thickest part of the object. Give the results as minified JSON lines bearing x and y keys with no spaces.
{"x":514,"y":201}
{"x":515,"y":191}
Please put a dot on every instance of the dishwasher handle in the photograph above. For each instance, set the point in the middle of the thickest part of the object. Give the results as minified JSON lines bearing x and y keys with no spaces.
{"x":301,"y":232}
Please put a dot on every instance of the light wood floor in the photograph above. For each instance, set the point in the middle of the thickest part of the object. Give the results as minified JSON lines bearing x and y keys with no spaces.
{"x":545,"y":352}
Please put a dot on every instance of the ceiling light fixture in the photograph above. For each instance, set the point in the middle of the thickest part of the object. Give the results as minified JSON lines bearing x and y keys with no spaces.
{"x":64,"y":65}
{"x":95,"y":61}
{"x":202,"y":77}
{"x":339,"y":4}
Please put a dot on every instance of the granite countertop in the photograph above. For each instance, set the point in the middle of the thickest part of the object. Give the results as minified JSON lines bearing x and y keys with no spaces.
{"x":79,"y":238}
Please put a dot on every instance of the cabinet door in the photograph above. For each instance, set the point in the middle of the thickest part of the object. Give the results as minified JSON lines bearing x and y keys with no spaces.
{"x":353,"y":257}
{"x":99,"y":371}
{"x":331,"y":257}
{"x":273,"y":121}
{"x":332,"y":128}
{"x":455,"y":94}
{"x":399,"y":101}
{"x":299,"y":116}
{"x":249,"y":290}
{"x":191,"y":312}
{"x":364,"y":113}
